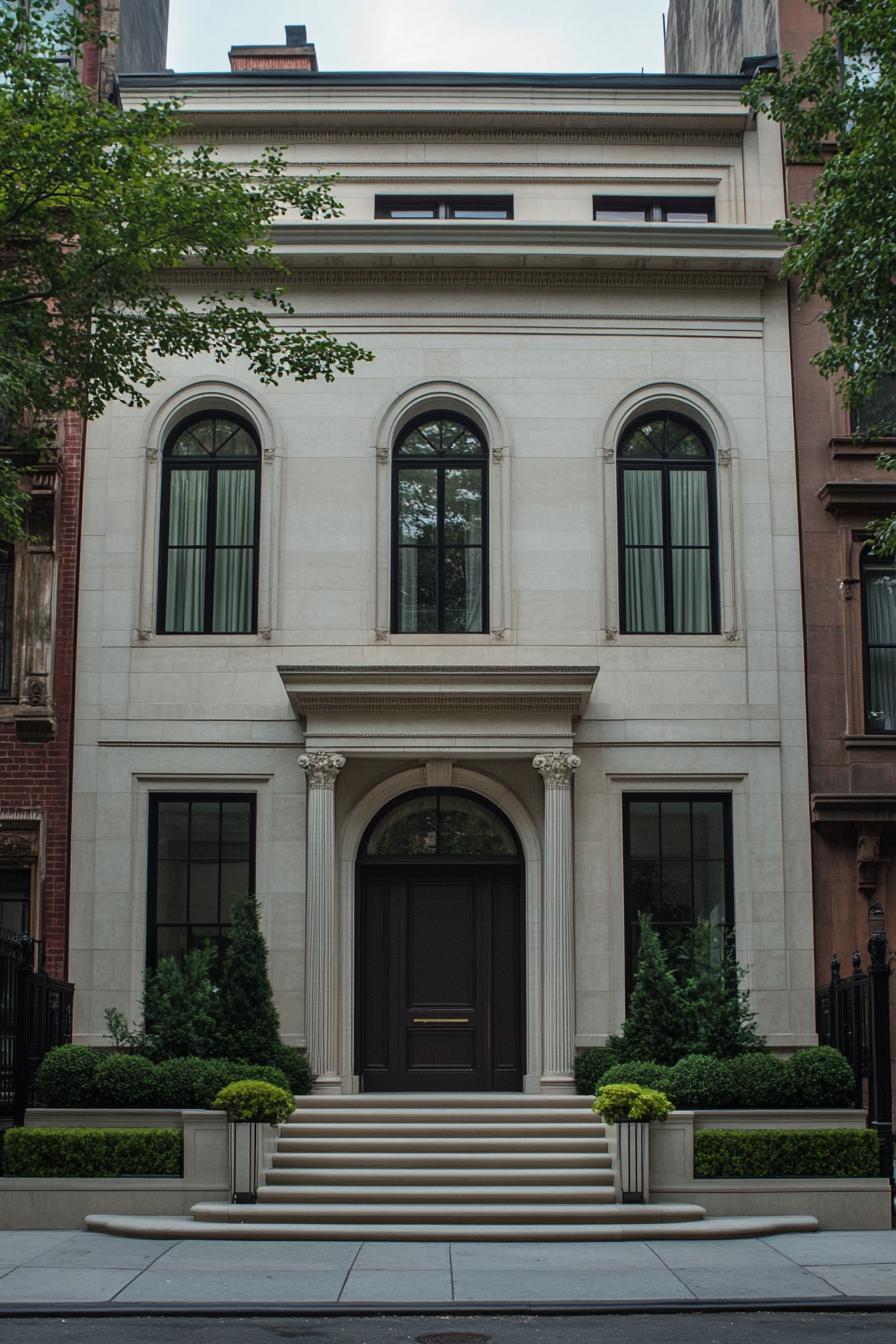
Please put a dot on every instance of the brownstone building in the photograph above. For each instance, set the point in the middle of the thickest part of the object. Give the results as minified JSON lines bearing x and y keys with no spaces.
{"x":38,"y":606}
{"x":849,"y":596}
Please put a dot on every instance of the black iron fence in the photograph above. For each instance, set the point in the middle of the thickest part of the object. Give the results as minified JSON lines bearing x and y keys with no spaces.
{"x":35,"y":1015}
{"x":853,"y":1014}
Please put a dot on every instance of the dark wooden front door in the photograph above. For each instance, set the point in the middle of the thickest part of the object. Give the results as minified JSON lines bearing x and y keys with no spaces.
{"x":440,"y":978}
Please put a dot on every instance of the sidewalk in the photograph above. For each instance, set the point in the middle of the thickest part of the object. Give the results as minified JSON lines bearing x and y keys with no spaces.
{"x":65,"y":1267}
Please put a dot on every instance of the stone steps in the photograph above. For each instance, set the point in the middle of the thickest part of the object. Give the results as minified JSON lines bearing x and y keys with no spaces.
{"x":443,"y":1167}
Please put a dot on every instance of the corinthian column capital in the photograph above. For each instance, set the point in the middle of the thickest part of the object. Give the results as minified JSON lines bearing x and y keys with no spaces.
{"x":321,"y":768}
{"x":556,"y":768}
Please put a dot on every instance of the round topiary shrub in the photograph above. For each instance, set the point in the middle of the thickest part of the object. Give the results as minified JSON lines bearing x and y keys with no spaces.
{"x":240,"y":1071}
{"x":189,"y":1083}
{"x":820,"y":1077}
{"x":67,"y":1076}
{"x":126,"y":1080}
{"x":592,"y":1064}
{"x":294,"y":1064}
{"x":617,"y":1102}
{"x":259,"y":1103}
{"x":699,"y":1082}
{"x":758,"y":1080}
{"x":641,"y":1071}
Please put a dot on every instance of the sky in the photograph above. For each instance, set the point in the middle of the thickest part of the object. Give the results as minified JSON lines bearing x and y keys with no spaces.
{"x":508,"y":35}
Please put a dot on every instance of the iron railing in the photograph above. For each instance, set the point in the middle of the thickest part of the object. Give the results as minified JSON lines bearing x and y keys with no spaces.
{"x":35,"y":1015}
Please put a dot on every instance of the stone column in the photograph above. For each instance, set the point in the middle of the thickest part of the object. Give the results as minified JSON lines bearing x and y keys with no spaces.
{"x":558,"y":960}
{"x":321,"y":928}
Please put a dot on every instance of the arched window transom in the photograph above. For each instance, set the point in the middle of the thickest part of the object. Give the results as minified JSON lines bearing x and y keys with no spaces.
{"x":667,"y":525}
{"x":439,"y":528}
{"x":208,"y":579}
{"x":440,"y":824}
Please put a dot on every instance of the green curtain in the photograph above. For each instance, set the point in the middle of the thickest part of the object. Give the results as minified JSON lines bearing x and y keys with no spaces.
{"x":187,"y":514}
{"x":689,"y":535}
{"x":643,"y":540}
{"x":234,"y":551}
{"x":880,"y":614}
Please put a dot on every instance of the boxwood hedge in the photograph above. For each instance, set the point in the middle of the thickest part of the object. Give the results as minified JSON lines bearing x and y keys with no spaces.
{"x":77,"y":1076}
{"x":761,"y":1153}
{"x":92,"y":1152}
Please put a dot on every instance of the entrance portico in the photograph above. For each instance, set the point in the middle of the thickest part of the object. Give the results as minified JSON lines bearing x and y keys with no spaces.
{"x":451,"y":722}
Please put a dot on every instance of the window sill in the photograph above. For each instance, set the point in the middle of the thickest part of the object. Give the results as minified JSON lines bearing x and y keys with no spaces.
{"x":732,"y":639}
{"x":142,"y":639}
{"x":874,"y":741}
{"x":463,"y":641}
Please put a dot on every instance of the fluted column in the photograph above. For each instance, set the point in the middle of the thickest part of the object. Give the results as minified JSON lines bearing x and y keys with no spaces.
{"x":321,"y":928}
{"x":558,"y":962}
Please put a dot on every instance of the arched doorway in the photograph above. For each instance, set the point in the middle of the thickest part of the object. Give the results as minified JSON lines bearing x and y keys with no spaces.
{"x":440,"y":947}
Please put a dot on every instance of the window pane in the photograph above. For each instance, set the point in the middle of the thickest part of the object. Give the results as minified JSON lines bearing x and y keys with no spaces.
{"x":463,"y":590}
{"x":7,"y":583}
{"x":689,"y":508}
{"x":204,"y":859}
{"x":677,"y":897}
{"x":234,"y":441}
{"x":643,"y":508}
{"x":15,"y":899}
{"x":708,"y":820}
{"x":880,"y":606}
{"x":417,"y":606}
{"x":410,"y":828}
{"x":643,"y":528}
{"x":185,"y":597}
{"x":676,"y":830}
{"x":171,"y":942}
{"x":709,"y":892}
{"x":236,"y":853}
{"x":172,"y":861}
{"x":644,"y":888}
{"x":608,"y":216}
{"x":234,"y":572}
{"x":691,"y":592}
{"x":235,"y":516}
{"x":188,"y":507}
{"x":644,"y":830}
{"x":687,"y":217}
{"x":882,"y":690}
{"x":466,"y":827}
{"x":644,"y":612}
{"x":463,"y":506}
{"x":417,"y":505}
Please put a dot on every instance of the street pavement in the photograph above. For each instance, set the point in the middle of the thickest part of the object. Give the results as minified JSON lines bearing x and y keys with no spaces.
{"x":65,"y":1268}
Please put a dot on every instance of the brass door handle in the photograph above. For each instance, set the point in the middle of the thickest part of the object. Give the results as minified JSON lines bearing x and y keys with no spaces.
{"x":439,"y":1021}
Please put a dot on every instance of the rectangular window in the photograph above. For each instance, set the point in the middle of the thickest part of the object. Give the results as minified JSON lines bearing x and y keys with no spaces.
{"x":879,"y":640}
{"x":444,"y":207}
{"x":654,"y":209}
{"x":15,"y":899}
{"x":677,"y":866}
{"x":7,"y":578}
{"x":201,"y":858}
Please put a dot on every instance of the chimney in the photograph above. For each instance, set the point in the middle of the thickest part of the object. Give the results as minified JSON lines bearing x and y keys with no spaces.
{"x":297,"y":54}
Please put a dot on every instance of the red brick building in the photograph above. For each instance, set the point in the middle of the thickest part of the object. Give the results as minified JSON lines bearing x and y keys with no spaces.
{"x":849,"y":597}
{"x":38,"y":609}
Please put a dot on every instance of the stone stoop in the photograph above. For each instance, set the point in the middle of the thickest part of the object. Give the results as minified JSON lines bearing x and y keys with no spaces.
{"x":443,"y":1167}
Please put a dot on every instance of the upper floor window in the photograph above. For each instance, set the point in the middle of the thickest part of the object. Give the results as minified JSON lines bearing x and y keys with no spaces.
{"x":7,"y":583}
{"x":655,"y":209}
{"x":15,"y":899}
{"x":879,"y":642}
{"x":208,"y":570}
{"x":668,"y":562}
{"x":444,"y":207}
{"x":439,"y":536}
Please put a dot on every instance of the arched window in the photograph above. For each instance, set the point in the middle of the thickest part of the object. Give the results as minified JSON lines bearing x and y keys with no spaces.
{"x":668,"y":561}
{"x":879,"y":642}
{"x":443,"y":823}
{"x":208,"y":572}
{"x":439,"y":528}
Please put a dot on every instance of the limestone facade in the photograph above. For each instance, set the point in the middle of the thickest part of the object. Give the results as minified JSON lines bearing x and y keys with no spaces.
{"x":551,"y":334}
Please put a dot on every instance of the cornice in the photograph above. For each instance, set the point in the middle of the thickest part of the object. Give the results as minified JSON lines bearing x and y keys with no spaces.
{"x":288,"y":136}
{"x":847,"y":497}
{"x":459,"y":277}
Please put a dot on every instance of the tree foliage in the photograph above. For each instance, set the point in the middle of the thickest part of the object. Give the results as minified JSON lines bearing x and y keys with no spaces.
{"x":96,"y":204}
{"x":248,"y":1026}
{"x":838,"y":106}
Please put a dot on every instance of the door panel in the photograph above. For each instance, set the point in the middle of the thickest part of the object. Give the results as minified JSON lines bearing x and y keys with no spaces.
{"x":440,"y":978}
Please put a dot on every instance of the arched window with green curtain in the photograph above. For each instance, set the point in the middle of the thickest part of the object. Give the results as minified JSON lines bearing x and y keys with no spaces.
{"x":208,"y":557}
{"x":668,"y":534}
{"x":439,"y":527}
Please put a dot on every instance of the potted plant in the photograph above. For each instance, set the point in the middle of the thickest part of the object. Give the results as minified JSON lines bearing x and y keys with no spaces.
{"x":631,"y":1109}
{"x":249,"y":1105}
